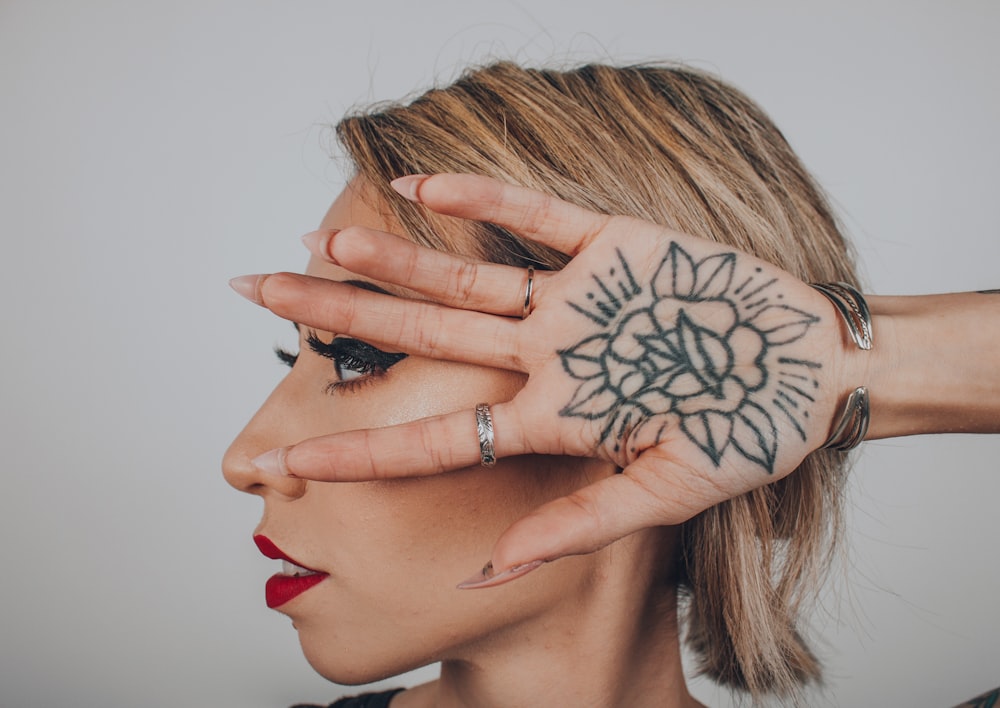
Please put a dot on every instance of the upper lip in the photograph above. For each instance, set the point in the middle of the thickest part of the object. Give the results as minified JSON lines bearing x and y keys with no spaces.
{"x":271,"y":550}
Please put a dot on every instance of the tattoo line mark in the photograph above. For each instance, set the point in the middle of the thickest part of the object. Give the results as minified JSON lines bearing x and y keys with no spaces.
{"x":791,"y":375}
{"x":756,"y":290}
{"x":791,"y":401}
{"x":609,"y":309}
{"x":689,"y":355}
{"x":797,"y":390}
{"x":800,"y":362}
{"x":743,"y":285}
{"x":791,"y":418}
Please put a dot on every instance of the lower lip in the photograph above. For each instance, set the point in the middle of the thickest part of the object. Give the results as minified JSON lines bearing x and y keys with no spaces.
{"x":285,"y":588}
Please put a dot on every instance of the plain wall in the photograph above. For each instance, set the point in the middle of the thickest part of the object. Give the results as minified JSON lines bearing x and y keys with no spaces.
{"x":151,"y":150}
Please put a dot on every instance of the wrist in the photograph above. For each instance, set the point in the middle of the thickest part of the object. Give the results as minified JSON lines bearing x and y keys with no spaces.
{"x":933,"y":366}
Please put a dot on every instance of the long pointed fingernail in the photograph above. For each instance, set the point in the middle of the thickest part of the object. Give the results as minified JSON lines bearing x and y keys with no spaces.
{"x":318,"y":243}
{"x":409,"y":186}
{"x":249,"y":287}
{"x":272,"y":463}
{"x":487,"y":578}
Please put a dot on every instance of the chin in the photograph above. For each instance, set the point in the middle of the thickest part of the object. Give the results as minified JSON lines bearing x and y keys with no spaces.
{"x":356,"y":665}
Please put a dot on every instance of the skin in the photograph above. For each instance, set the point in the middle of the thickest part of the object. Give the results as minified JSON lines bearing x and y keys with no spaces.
{"x":603,"y":625}
{"x":672,"y":468}
{"x":932,"y":368}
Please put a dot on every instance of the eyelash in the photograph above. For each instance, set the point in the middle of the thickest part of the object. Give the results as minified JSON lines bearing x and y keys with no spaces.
{"x":347,"y":353}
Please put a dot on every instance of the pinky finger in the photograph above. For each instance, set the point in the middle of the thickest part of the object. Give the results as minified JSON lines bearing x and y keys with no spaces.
{"x":420,"y":448}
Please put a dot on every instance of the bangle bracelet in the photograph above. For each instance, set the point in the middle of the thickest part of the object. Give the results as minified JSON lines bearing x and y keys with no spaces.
{"x":852,"y":426}
{"x":852,"y":307}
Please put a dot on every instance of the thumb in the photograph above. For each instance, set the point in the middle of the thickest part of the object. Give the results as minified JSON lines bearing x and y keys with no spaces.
{"x":589,"y":519}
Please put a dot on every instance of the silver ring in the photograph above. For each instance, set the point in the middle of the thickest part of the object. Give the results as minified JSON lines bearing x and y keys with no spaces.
{"x":484,"y":427}
{"x":526,"y":308}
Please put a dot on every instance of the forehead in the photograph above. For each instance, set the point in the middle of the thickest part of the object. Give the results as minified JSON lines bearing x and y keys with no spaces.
{"x":358,"y":205}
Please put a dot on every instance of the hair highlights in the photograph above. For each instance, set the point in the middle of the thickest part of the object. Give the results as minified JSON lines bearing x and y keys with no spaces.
{"x":680,"y":148}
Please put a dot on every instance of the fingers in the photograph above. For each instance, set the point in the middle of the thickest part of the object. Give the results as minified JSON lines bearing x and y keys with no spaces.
{"x":412,"y":326}
{"x":446,"y":278}
{"x":423,"y":447}
{"x":553,"y":222}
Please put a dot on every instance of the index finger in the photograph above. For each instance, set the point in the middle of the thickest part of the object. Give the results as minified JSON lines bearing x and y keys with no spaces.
{"x":540,"y":217}
{"x":415,"y":449}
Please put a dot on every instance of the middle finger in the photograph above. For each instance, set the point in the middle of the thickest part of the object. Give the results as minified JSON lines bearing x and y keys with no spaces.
{"x":449,"y":279}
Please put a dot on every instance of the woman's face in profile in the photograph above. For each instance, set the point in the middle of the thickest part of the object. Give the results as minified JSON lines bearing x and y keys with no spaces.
{"x":391,"y":553}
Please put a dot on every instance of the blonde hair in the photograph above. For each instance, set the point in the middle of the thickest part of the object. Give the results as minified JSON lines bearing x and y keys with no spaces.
{"x":680,"y":148}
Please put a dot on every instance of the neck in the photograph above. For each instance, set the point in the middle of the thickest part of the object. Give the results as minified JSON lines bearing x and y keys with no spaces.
{"x":614,"y":642}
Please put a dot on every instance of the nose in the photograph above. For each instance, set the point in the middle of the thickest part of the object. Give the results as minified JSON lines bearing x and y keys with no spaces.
{"x":267,"y":430}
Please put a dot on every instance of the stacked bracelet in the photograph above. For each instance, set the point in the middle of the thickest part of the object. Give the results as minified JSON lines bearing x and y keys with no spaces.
{"x":852,"y":426}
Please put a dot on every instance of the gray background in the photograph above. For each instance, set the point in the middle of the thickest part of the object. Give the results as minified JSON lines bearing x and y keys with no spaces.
{"x":151,"y":150}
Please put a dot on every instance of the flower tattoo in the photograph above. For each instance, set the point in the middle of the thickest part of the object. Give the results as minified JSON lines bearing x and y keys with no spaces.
{"x":692,"y":350}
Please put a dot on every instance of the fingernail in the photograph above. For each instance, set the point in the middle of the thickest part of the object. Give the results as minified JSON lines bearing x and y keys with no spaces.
{"x":409,"y":186}
{"x":486,"y":578}
{"x":272,"y":462}
{"x":318,"y":243}
{"x":249,"y":287}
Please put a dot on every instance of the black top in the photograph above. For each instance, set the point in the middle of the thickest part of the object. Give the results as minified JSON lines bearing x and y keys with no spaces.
{"x":366,"y":700}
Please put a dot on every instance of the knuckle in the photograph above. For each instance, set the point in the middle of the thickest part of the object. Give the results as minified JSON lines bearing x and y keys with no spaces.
{"x":424,"y":329}
{"x":536,"y":214}
{"x":430,"y":451}
{"x":462,"y":284}
{"x":377,"y":470}
{"x":333,"y":312}
{"x":592,"y":516}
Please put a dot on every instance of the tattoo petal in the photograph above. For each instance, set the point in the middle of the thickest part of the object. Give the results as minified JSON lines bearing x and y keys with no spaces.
{"x":684,"y":385}
{"x":781,"y":324}
{"x":676,"y":274}
{"x":715,"y":275}
{"x":710,"y":431}
{"x":593,"y":399}
{"x":584,"y":361}
{"x":755,"y":435}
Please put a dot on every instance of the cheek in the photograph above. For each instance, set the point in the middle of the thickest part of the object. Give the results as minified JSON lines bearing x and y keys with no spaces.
{"x":438,"y":521}
{"x":398,"y":549}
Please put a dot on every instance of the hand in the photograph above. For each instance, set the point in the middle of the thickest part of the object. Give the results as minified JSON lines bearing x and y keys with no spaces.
{"x":702,"y":372}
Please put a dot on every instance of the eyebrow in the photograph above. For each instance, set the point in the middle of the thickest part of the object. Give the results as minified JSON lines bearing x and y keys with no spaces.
{"x":364,"y":285}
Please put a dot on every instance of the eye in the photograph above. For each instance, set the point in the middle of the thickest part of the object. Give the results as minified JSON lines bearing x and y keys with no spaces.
{"x":353,"y":360}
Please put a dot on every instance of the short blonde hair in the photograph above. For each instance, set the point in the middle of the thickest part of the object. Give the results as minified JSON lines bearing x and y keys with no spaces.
{"x":680,"y":148}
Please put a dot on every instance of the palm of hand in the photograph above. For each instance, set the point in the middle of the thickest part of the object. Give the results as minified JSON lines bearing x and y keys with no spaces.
{"x":661,"y":348}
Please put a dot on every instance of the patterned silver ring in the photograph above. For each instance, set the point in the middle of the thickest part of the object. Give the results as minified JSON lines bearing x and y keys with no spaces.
{"x":526,"y":308}
{"x":484,"y":427}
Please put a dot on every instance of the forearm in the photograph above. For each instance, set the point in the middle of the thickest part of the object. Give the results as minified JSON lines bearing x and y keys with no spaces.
{"x":935,"y":367}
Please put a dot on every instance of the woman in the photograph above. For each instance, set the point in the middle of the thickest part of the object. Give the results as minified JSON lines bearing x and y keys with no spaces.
{"x":698,"y":371}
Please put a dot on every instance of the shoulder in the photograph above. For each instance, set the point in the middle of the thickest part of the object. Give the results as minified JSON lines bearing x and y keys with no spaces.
{"x":987,"y":700}
{"x":365,"y":700}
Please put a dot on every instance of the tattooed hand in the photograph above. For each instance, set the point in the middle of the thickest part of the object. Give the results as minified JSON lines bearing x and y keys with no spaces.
{"x":700,"y":371}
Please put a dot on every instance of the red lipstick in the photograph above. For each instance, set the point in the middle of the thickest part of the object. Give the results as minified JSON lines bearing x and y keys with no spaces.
{"x":286,"y":586}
